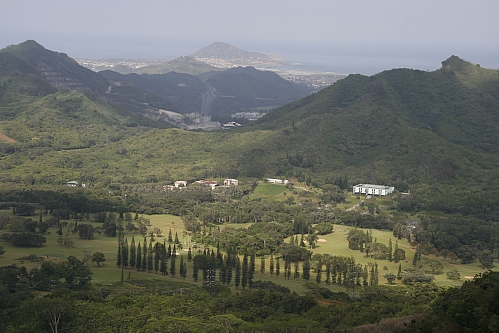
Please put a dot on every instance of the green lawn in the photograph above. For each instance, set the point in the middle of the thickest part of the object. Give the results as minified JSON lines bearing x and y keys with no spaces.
{"x":334,"y":244}
{"x":270,"y":191}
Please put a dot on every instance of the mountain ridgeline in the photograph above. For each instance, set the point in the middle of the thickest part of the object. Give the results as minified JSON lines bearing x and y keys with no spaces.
{"x":240,"y":90}
{"x":434,"y":133}
{"x":229,"y":52}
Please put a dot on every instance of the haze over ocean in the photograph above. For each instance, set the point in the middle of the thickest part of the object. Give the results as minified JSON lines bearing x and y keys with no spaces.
{"x":354,"y":36}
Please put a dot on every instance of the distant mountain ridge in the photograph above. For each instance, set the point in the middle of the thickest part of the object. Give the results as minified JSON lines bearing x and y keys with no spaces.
{"x":229,"y":52}
{"x":238,"y":89}
{"x":57,"y":68}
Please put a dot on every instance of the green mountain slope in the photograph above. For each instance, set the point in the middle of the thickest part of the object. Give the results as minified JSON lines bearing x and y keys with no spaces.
{"x":19,"y":80}
{"x":57,"y":68}
{"x":36,"y":119}
{"x":236,"y":89}
{"x":378,"y":112}
{"x":432,"y":132}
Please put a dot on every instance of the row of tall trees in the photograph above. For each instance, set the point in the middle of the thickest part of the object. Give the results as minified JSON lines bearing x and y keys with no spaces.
{"x":363,"y":241}
{"x":150,"y":257}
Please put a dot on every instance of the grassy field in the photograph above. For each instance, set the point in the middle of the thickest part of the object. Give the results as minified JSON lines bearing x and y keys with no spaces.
{"x":270,"y":191}
{"x":334,"y":244}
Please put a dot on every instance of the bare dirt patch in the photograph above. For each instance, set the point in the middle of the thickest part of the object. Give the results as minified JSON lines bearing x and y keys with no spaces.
{"x":322,"y":240}
{"x":5,"y":138}
{"x":469,"y":277}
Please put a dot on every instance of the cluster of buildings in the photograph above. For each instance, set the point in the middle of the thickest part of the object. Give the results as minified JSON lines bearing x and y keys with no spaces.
{"x":211,"y":183}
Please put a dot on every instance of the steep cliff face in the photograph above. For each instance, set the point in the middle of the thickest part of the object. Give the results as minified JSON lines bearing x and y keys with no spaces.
{"x":56,"y":77}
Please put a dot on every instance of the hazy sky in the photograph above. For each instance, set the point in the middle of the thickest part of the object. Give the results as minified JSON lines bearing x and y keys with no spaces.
{"x":419,"y":29}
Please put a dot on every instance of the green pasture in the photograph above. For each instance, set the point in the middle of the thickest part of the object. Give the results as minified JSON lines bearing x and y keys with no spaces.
{"x":270,"y":191}
{"x":334,"y":244}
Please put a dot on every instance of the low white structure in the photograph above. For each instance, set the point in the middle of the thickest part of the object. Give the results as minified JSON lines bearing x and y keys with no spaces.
{"x":180,"y":183}
{"x":369,"y":189}
{"x":231,"y":182}
{"x":210,"y":183}
{"x":277,"y":181}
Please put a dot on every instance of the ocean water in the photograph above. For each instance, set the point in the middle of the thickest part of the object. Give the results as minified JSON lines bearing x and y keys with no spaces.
{"x":366,"y":65}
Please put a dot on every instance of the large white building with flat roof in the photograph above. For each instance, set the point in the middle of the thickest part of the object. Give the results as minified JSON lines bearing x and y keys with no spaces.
{"x":369,"y":189}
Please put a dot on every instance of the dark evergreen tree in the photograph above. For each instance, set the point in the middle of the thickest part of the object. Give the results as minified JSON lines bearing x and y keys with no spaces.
{"x":172,"y":267}
{"x":390,"y":250}
{"x":169,"y":253}
{"x":164,"y":264}
{"x":334,"y":269}
{"x":262,"y":264}
{"x":144,"y":255}
{"x":306,"y":269}
{"x":139,"y":257}
{"x":277,"y":267}
{"x":133,"y":253}
{"x":302,"y":242}
{"x":288,"y":268}
{"x":328,"y":272}
{"x":318,"y":277}
{"x":228,"y":264}
{"x":119,"y":256}
{"x":365,"y":276}
{"x":124,"y":260}
{"x":271,"y":265}
{"x":417,"y":256}
{"x":296,"y":274}
{"x":182,"y":272}
{"x":176,"y":238}
{"x":150,"y":257}
{"x":174,"y":252}
{"x":189,"y":255}
{"x":170,"y":238}
{"x":244,"y":271}
{"x":251,"y":272}
{"x":396,"y":254}
{"x":195,"y":271}
{"x":237,"y":278}
{"x":157,"y":256}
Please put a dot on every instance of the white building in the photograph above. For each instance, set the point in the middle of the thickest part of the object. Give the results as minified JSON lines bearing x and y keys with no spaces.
{"x":231,"y":182}
{"x":277,"y":181}
{"x":180,"y":183}
{"x":369,"y":189}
